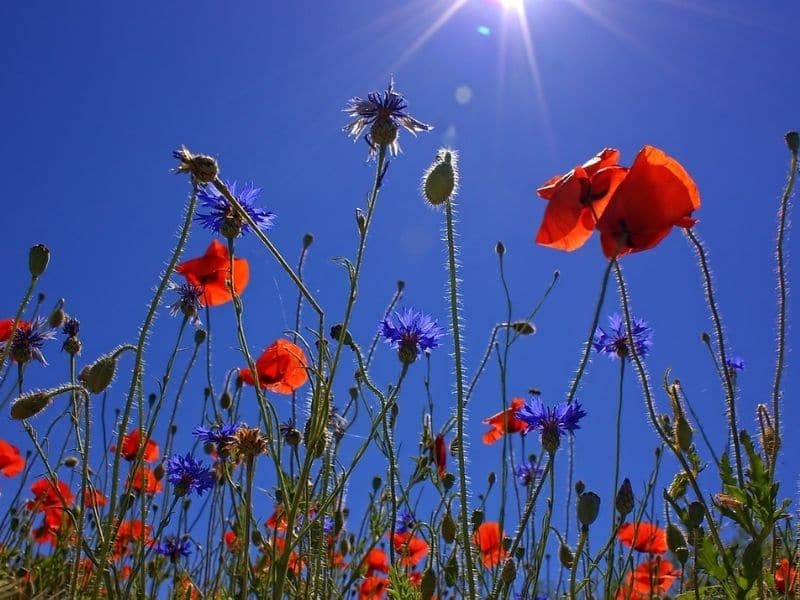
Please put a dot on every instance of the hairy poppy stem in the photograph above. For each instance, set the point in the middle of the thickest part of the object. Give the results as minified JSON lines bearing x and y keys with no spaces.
{"x":584,"y":534}
{"x":114,"y":521}
{"x":460,"y":397}
{"x":782,"y":294}
{"x":248,"y":516}
{"x":727,"y":380}
{"x":618,"y":437}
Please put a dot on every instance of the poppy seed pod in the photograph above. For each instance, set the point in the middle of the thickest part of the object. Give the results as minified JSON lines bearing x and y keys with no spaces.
{"x":588,"y":508}
{"x":38,"y":257}
{"x":440,"y":181}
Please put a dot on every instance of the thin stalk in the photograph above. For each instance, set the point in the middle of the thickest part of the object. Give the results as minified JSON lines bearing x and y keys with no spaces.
{"x":574,"y":570}
{"x":248,"y":515}
{"x":460,"y":397}
{"x":609,"y":572}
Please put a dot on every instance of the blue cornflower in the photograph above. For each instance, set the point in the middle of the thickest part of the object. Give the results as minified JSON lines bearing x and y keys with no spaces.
{"x":405,"y":520}
{"x":223,"y":219}
{"x":223,"y":436}
{"x":71,"y":327}
{"x":188,"y":302}
{"x":614,"y":343}
{"x":328,"y":525}
{"x":173,"y":548}
{"x":735,"y":363}
{"x":188,"y":475}
{"x":552,"y":422}
{"x":386,"y":113}
{"x":411,"y":332}
{"x":527,"y":473}
{"x":28,"y":340}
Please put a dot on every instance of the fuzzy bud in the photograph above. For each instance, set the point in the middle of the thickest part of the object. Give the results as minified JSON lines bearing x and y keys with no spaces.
{"x":57,"y":317}
{"x":200,"y":336}
{"x":588,"y":508}
{"x":31,"y":404}
{"x":336,"y":334}
{"x":677,"y":543}
{"x":225,"y":401}
{"x":71,"y":462}
{"x":440,"y":181}
{"x":448,"y":480}
{"x":625,"y":500}
{"x":695,"y":515}
{"x":509,"y":572}
{"x":523,"y":327}
{"x":38,"y":257}
{"x":580,"y":487}
{"x":448,"y":528}
{"x":492,"y":478}
{"x":565,"y":556}
{"x":376,"y":483}
{"x":427,"y":586}
{"x":100,"y":374}
{"x":477,"y":517}
{"x":793,"y":141}
{"x":682,"y":433}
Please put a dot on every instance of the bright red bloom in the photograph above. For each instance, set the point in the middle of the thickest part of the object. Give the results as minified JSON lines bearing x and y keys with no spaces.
{"x":643,"y":537}
{"x":411,"y":548}
{"x":440,"y":454}
{"x":11,"y":461}
{"x":786,"y":574}
{"x":576,"y":199}
{"x":656,"y":195}
{"x":130,"y":532}
{"x":373,"y":588}
{"x":281,"y":368}
{"x":650,"y":579}
{"x":46,"y":496}
{"x":211,"y":273}
{"x":277,"y":520}
{"x":231,"y":541}
{"x":47,"y":532}
{"x":144,"y":480}
{"x":489,"y":541}
{"x":5,"y":328}
{"x":376,"y":560}
{"x":505,"y":422}
{"x":93,"y":499}
{"x":131,"y":444}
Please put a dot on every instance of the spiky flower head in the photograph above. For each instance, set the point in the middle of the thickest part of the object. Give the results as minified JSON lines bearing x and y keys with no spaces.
{"x":223,"y":436}
{"x":188,"y":302}
{"x":551,"y":422}
{"x":174,"y":548}
{"x":28,"y":340}
{"x":224,"y":219}
{"x":735,"y":364}
{"x":405,"y":521}
{"x":411,"y":332}
{"x":385,"y":113}
{"x":203,"y":169}
{"x":188,"y":475}
{"x":249,"y":442}
{"x":614,"y":343}
{"x":527,"y":472}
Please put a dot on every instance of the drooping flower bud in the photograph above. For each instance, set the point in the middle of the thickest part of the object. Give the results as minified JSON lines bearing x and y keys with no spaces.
{"x":448,"y":528}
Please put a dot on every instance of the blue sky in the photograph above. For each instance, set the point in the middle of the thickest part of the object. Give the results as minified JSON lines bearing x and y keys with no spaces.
{"x":96,"y":95}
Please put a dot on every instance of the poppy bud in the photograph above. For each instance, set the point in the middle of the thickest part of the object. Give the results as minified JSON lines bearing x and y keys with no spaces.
{"x":523,"y":327}
{"x":257,"y":538}
{"x":509,"y":572}
{"x":158,"y":472}
{"x":492,"y":477}
{"x":427,"y":586}
{"x":401,"y":285}
{"x":477,"y":517}
{"x":448,"y":480}
{"x":625,"y":500}
{"x":71,"y":462}
{"x":344,"y":546}
{"x":451,"y":570}
{"x":308,"y":239}
{"x":500,"y":248}
{"x":695,"y":515}
{"x":100,"y":374}
{"x":705,"y":337}
{"x":565,"y":556}
{"x":682,"y":433}
{"x":32,"y":403}
{"x":336,"y":335}
{"x":448,"y":528}
{"x":38,"y":257}
{"x":200,"y":336}
{"x":376,"y":483}
{"x":440,"y":181}
{"x":677,"y":543}
{"x":677,"y":489}
{"x":58,"y":316}
{"x":793,"y":141}
{"x":225,"y":400}
{"x":293,"y":437}
{"x":588,"y":508}
{"x":580,"y":487}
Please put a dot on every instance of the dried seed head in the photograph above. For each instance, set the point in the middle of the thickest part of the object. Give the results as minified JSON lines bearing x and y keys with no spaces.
{"x":203,"y":169}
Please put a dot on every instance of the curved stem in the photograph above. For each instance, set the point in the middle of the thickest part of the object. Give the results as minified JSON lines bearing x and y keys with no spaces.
{"x":574,"y":570}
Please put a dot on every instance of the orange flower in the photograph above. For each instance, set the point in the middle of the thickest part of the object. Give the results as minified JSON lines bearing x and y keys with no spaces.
{"x":211,"y":273}
{"x":278,"y":519}
{"x":48,"y":531}
{"x":656,"y":195}
{"x":46,"y":496}
{"x":650,"y":579}
{"x":11,"y":461}
{"x":144,"y":480}
{"x":411,"y":548}
{"x":376,"y":560}
{"x":489,"y":540}
{"x":643,"y":537}
{"x":281,"y":368}
{"x":505,"y":422}
{"x":131,"y":444}
{"x":373,"y":588}
{"x":785,"y":573}
{"x":575,"y":199}
{"x":5,"y":328}
{"x":130,"y":532}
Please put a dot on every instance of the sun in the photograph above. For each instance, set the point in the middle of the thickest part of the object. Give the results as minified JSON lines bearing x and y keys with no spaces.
{"x":513,"y":4}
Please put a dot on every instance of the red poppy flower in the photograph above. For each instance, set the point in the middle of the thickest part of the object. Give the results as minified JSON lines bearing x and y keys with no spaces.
{"x":46,"y":496}
{"x":131,"y":444}
{"x":376,"y":560}
{"x":440,"y":454}
{"x":656,"y":195}
{"x":144,"y":480}
{"x":93,"y":498}
{"x":784,"y":575}
{"x":489,"y":541}
{"x":5,"y":328}
{"x":576,"y":199}
{"x":11,"y":461}
{"x":231,"y":541}
{"x":411,"y":548}
{"x":505,"y":422}
{"x":47,"y":532}
{"x":650,"y":579}
{"x":643,"y":537}
{"x":281,"y":368}
{"x":278,"y":519}
{"x":211,"y":273}
{"x":373,"y":588}
{"x":130,"y":532}
{"x":295,"y":561}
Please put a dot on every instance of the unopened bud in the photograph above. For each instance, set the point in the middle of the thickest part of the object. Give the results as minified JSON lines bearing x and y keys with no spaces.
{"x":71,"y":462}
{"x":793,"y":141}
{"x":100,"y":374}
{"x":448,"y":528}
{"x":401,"y":285}
{"x":477,"y":517}
{"x":523,"y":327}
{"x":376,"y":483}
{"x":440,"y":181}
{"x":695,"y":515}
{"x":580,"y":487}
{"x":676,"y":542}
{"x":308,"y":239}
{"x":202,"y":168}
{"x":448,"y":480}
{"x":57,"y":317}
{"x":565,"y":556}
{"x":427,"y":586}
{"x":336,"y":335}
{"x":225,"y":401}
{"x":509,"y":572}
{"x":158,"y":472}
{"x":624,"y":501}
{"x":683,"y":433}
{"x":200,"y":336}
{"x":31,"y":404}
{"x":492,"y":477}
{"x":588,"y":508}
{"x":500,"y":248}
{"x":38,"y":257}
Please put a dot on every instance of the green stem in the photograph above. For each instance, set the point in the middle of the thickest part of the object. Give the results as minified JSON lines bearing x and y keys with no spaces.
{"x":248,"y":515}
{"x":460,"y":398}
{"x":610,"y":570}
{"x":574,"y":570}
